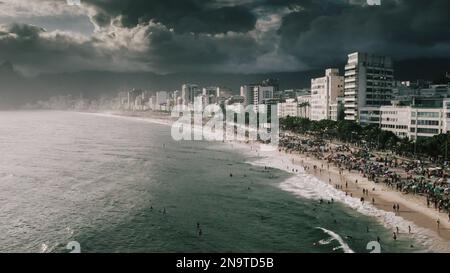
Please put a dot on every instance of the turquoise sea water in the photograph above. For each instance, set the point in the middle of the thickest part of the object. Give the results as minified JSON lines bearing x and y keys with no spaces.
{"x":106,"y":182}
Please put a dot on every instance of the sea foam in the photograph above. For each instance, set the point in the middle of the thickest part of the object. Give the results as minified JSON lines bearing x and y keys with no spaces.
{"x":310,"y":187}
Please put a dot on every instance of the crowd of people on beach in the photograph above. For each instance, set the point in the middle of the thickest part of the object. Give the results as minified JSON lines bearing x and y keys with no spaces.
{"x":408,"y":176}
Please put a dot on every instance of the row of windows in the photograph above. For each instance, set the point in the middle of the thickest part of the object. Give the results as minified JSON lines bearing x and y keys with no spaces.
{"x":379,"y":71}
{"x":389,"y":126}
{"x":390,"y":112}
{"x":390,"y":119}
{"x":380,"y":78}
{"x":381,"y":97}
{"x":426,"y":114}
{"x":426,"y":122}
{"x":425,"y":131}
{"x":371,"y":112}
{"x":377,"y":103}
{"x":379,"y":90}
{"x":382,"y":84}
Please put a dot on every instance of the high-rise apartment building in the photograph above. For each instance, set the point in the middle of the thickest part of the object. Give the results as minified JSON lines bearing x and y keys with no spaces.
{"x":368,"y":84}
{"x":325,"y":92}
{"x":189,"y":92}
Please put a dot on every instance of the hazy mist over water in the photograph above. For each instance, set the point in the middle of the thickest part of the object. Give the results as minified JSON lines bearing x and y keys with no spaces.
{"x":105,"y":182}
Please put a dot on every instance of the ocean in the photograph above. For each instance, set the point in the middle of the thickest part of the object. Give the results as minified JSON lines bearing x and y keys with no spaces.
{"x":116,"y":184}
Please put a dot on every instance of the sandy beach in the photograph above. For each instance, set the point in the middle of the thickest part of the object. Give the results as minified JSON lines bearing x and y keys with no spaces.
{"x":412,"y":208}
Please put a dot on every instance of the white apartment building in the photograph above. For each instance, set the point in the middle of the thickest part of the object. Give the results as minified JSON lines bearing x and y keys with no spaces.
{"x":248,"y":93}
{"x":396,"y":119}
{"x":325,"y":92}
{"x":210,"y":95}
{"x":426,"y":122}
{"x":411,"y":122}
{"x":447,"y":115}
{"x":336,"y":108}
{"x":368,"y":83}
{"x":263,"y":94}
{"x":369,"y":115}
{"x":161,"y":97}
{"x":288,"y":109}
{"x":257,"y":94}
{"x":189,"y":92}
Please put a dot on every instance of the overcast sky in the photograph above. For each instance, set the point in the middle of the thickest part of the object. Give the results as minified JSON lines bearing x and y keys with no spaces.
{"x":250,"y":36}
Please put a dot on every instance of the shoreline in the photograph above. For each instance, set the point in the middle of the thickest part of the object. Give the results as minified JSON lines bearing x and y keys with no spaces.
{"x":412,"y":208}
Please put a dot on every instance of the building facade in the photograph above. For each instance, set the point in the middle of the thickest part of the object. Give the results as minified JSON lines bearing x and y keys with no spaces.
{"x":288,"y":109}
{"x":254,"y":94}
{"x":325,"y":92}
{"x":248,"y":93}
{"x":189,"y":92}
{"x":368,"y":83}
{"x":415,"y":122}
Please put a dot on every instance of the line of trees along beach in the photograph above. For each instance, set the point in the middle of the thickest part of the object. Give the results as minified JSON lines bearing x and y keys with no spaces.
{"x":371,"y":137}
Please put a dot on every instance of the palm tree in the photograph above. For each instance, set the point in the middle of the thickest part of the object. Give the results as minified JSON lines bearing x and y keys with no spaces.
{"x":303,"y":107}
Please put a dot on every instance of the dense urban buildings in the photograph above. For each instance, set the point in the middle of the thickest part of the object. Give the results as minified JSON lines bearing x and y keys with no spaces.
{"x":367,"y":94}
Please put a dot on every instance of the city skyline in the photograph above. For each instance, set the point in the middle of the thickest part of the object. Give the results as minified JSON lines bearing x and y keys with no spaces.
{"x":50,"y":48}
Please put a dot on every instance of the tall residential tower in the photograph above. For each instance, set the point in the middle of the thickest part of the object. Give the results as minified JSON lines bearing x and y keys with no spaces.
{"x":325,"y":92}
{"x":368,"y":85}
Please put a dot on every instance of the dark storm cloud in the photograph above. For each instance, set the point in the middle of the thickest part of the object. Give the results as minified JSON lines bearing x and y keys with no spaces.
{"x":185,"y":16}
{"x":151,"y":47}
{"x":316,"y":33}
{"x":186,"y":52}
{"x":33,"y":50}
{"x":229,"y":35}
{"x":323,"y":32}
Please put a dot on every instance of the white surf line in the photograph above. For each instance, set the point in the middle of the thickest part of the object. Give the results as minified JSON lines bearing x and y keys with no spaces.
{"x":308,"y":186}
{"x":142,"y":119}
{"x":336,"y":237}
